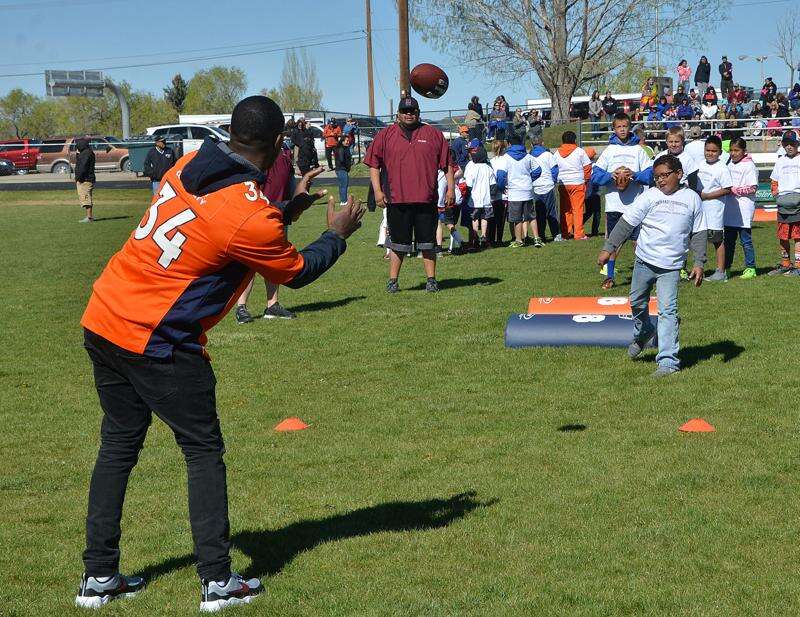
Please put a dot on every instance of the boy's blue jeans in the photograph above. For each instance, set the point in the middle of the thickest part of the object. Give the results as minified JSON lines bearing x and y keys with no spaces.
{"x":746,"y":238}
{"x":344,"y":183}
{"x":645,"y":277}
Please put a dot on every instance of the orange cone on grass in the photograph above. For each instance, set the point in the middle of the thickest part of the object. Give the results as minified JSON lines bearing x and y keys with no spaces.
{"x":291,"y":424}
{"x":697,"y":425}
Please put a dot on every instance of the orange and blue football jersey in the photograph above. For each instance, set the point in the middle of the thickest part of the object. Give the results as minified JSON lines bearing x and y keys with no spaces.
{"x":193,"y":253}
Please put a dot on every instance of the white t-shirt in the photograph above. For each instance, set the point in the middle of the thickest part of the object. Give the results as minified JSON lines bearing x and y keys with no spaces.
{"x":739,"y":209}
{"x":712,"y":178}
{"x":495,"y":162}
{"x":570,"y":167}
{"x":687,"y":162}
{"x":544,"y":183}
{"x":441,"y":180}
{"x":479,"y":178}
{"x":787,"y":173}
{"x":667,"y":222}
{"x":519,"y":184}
{"x":612,"y":158}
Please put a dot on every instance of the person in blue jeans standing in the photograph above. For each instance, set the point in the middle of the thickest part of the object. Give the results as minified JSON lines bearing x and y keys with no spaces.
{"x":671,"y":221}
{"x":343,"y":161}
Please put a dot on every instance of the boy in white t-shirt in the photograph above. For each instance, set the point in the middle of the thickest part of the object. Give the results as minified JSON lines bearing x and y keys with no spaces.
{"x":785,"y":179}
{"x":713,"y":183}
{"x":480,"y":180}
{"x":448,"y":217}
{"x":574,"y":171}
{"x":740,"y":206}
{"x":671,"y":221}
{"x":625,"y":170}
{"x":676,"y":146}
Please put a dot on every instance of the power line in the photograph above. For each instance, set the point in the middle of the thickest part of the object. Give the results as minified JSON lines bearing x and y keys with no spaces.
{"x":187,"y":51}
{"x":201,"y":58}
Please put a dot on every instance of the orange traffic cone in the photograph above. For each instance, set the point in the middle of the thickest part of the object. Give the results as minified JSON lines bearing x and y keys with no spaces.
{"x":291,"y":424}
{"x":697,"y":425}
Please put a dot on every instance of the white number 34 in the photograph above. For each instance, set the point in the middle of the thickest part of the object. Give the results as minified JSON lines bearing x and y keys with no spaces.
{"x":170,"y":247}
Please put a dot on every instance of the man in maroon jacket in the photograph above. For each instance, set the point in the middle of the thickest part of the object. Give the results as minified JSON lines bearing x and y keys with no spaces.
{"x":279,"y":187}
{"x":408,"y":156}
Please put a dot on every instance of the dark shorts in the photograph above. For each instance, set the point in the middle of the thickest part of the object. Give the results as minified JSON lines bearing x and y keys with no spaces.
{"x":715,"y":236}
{"x":412,"y":223}
{"x":449,"y":216}
{"x":482,"y":214}
{"x":612,"y":218}
{"x":519,"y":211}
{"x":788,"y":231}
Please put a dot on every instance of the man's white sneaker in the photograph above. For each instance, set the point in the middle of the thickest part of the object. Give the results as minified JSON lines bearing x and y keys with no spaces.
{"x":96,"y":592}
{"x":217,"y":595}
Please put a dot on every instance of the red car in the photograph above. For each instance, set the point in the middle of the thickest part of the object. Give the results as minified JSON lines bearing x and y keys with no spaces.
{"x":21,"y":153}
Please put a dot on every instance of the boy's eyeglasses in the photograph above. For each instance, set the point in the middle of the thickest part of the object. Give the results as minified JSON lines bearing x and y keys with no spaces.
{"x":664,"y":176}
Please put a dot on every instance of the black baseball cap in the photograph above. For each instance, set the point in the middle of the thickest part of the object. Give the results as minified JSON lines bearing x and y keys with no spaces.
{"x":160,"y":138}
{"x":408,"y":102}
{"x":789,"y":138}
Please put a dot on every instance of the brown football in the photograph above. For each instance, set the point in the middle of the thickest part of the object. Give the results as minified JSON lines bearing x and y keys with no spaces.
{"x":622,"y":179}
{"x":429,"y":80}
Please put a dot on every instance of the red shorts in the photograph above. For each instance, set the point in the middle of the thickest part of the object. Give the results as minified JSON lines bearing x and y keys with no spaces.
{"x":788,"y":231}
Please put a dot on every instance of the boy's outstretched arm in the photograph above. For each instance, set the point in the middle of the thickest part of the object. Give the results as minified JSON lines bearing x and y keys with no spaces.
{"x":697,"y":244}
{"x":616,"y":239}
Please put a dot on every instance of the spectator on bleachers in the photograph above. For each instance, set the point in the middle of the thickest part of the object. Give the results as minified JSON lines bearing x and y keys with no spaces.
{"x":475,"y":105}
{"x":725,"y":76}
{"x":497,"y":121}
{"x":684,"y":74}
{"x":685,"y":111}
{"x":610,"y":106}
{"x":710,"y":96}
{"x":649,"y":93}
{"x":535,"y":127}
{"x":794,"y":97}
{"x":680,"y":96}
{"x":768,"y":91}
{"x":702,"y":75}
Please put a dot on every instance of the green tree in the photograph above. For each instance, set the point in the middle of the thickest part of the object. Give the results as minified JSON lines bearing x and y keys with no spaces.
{"x":15,"y":107}
{"x":176,"y":93}
{"x":299,"y":88}
{"x":215,"y":90}
{"x":47,"y":118}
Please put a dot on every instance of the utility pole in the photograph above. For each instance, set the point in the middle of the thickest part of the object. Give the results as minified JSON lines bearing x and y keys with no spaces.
{"x":658,"y":45}
{"x":402,"y":16}
{"x":370,"y":84}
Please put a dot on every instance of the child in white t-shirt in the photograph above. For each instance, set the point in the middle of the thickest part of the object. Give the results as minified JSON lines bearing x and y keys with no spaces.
{"x":671,"y":221}
{"x":676,"y":146}
{"x":448,"y":217}
{"x":479,"y":178}
{"x":714,"y":182}
{"x":740,"y":206}
{"x":786,"y":188}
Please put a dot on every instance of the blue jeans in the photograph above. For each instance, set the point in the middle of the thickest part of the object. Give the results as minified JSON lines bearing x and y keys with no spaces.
{"x":546,"y":213}
{"x":666,"y":283}
{"x":746,"y":239}
{"x":344,"y":182}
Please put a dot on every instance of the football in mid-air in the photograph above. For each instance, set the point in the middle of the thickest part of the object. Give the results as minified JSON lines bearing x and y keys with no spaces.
{"x":429,"y":80}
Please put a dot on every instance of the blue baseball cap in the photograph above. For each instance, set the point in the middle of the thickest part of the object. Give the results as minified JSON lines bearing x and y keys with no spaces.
{"x":475,"y":143}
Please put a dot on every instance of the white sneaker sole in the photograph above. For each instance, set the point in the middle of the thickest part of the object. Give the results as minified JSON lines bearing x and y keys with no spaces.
{"x":217,"y":605}
{"x":95,"y":602}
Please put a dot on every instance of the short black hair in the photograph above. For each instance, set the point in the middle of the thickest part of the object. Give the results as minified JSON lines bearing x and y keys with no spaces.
{"x":713,"y":139}
{"x":739,"y":142}
{"x":515,"y":139}
{"x":670,"y":160}
{"x":568,"y":137}
{"x":257,"y":121}
{"x":621,"y":115}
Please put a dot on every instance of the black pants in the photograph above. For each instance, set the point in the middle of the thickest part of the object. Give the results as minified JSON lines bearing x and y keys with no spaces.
{"x":592,"y":211}
{"x":497,"y":223}
{"x":181,"y":391}
{"x":329,"y":155}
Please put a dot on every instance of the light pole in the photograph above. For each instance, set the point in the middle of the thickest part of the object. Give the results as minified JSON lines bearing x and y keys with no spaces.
{"x":759,"y":59}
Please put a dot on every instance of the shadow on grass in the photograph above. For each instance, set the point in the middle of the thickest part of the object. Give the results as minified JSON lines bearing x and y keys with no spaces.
{"x":453,"y":283}
{"x":690,"y":356}
{"x":571,"y":428}
{"x":324,"y":306}
{"x":111,"y":218}
{"x":270,"y":551}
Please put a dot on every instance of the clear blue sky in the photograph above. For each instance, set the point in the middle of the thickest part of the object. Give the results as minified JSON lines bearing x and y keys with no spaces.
{"x":87,"y":33}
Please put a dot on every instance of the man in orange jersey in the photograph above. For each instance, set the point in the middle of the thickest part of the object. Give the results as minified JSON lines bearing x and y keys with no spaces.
{"x":208,"y":229}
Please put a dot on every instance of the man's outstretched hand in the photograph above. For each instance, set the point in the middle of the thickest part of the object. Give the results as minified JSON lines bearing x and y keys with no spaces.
{"x":696,"y":275}
{"x":302,"y":200}
{"x":348,"y":219}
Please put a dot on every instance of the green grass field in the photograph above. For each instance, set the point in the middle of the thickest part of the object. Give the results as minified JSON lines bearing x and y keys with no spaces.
{"x":443,"y":474}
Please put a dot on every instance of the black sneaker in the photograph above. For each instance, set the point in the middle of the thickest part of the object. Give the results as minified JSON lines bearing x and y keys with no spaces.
{"x":432,"y":286}
{"x":243,"y":316}
{"x":392,"y":287}
{"x":276,"y":311}
{"x":217,"y":595}
{"x":96,"y":592}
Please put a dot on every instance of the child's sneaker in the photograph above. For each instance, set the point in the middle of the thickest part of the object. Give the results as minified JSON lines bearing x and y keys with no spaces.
{"x":792,"y":272}
{"x":431,"y":286}
{"x":96,"y":592}
{"x":217,"y":595}
{"x":392,"y":287}
{"x":608,"y":283}
{"x":719,"y":276}
{"x":276,"y":311}
{"x":559,"y":238}
{"x":516,"y":244}
{"x":604,"y":270}
{"x":537,"y":243}
{"x":243,"y":316}
{"x":637,"y":347}
{"x":664,"y":371}
{"x":779,"y":269}
{"x":749,"y":273}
